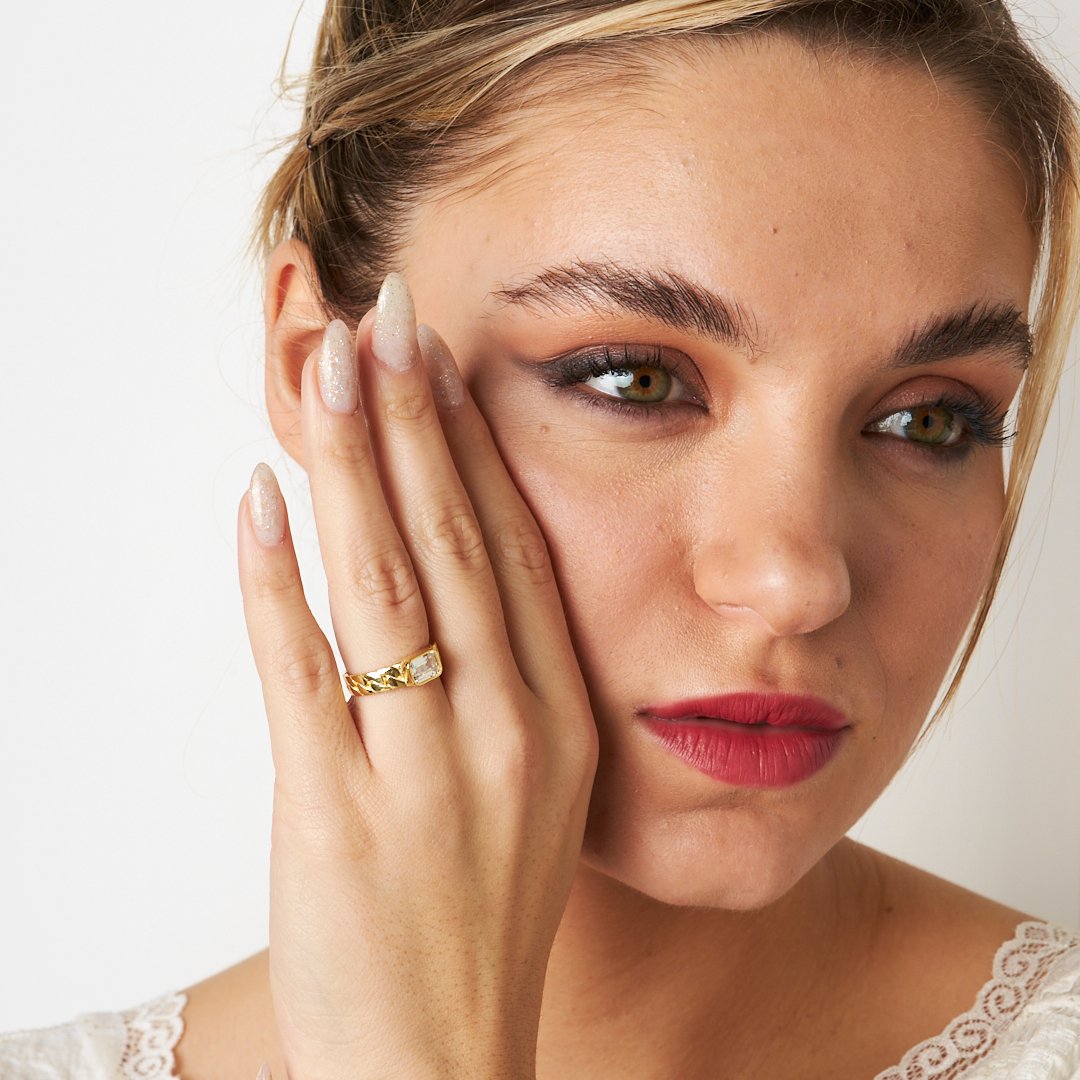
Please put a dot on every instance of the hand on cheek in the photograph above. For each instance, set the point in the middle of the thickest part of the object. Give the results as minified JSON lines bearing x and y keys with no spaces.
{"x":426,"y":832}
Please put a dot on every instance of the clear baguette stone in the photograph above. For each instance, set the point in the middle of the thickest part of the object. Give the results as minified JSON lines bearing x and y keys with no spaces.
{"x":425,"y":667}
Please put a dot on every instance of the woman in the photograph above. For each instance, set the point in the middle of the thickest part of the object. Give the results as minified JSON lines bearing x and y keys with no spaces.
{"x":695,"y":488}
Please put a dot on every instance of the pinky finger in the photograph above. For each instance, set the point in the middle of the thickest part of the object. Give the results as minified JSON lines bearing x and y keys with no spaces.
{"x":314,"y":742}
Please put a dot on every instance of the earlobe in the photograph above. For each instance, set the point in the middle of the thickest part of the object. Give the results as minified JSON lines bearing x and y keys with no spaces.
{"x":294,"y":321}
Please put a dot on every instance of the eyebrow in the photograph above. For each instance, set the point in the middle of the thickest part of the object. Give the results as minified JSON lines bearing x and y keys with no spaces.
{"x":662,"y":295}
{"x":608,"y":286}
{"x":981,"y":327}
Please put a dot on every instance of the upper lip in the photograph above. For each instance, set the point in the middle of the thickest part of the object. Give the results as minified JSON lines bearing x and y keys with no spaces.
{"x":776,"y":710}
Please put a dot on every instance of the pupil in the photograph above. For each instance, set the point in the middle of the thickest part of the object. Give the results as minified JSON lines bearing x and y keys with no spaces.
{"x":645,"y":381}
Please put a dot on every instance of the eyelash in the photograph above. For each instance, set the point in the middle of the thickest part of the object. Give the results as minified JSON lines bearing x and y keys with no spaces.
{"x":984,"y":419}
{"x":567,"y":371}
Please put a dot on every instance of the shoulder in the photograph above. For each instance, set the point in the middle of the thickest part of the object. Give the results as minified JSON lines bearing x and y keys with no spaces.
{"x":229,"y":1026}
{"x":99,"y":1046}
{"x":1036,"y":999}
{"x":1003,"y":985}
{"x":926,"y":916}
{"x":1024,"y":1023}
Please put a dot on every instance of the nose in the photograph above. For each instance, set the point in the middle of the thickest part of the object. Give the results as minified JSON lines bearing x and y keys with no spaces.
{"x":769,"y":554}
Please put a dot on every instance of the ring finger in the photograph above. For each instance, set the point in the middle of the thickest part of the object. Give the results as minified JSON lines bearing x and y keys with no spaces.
{"x":375,"y":601}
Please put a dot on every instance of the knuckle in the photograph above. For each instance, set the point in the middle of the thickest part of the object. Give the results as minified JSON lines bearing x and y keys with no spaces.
{"x":348,"y":454}
{"x":273,"y":580}
{"x":304,"y":666}
{"x":453,"y":533}
{"x":520,"y":548}
{"x":412,"y":407}
{"x":387,"y":579}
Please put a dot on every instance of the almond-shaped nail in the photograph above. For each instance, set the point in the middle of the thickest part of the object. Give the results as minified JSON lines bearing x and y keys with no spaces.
{"x":267,"y":506}
{"x":337,"y":369}
{"x":393,"y":335}
{"x":446,"y":383}
{"x":264,"y":1072}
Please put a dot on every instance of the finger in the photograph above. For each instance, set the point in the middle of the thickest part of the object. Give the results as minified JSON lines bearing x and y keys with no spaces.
{"x":312,"y":736}
{"x":532,"y":608}
{"x":427,"y":496}
{"x":375,"y":600}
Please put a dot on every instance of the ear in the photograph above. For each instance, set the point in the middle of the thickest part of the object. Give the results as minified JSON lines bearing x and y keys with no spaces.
{"x":294,"y":321}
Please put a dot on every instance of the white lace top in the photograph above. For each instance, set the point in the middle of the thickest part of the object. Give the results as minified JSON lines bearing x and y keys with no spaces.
{"x":136,"y":1044}
{"x":1024,"y":1025}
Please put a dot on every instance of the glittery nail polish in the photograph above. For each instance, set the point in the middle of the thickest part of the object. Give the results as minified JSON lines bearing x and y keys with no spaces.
{"x":393,"y":337}
{"x":337,"y":369}
{"x":446,"y":383}
{"x":267,"y":506}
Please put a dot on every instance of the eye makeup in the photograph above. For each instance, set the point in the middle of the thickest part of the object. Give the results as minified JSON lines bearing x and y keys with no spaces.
{"x":969,"y":422}
{"x":634,"y":375}
{"x":651,"y":382}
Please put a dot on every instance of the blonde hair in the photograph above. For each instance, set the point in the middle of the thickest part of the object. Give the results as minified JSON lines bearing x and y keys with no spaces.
{"x":405,"y":96}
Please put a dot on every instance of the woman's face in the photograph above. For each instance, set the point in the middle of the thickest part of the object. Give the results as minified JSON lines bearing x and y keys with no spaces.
{"x":772,"y":514}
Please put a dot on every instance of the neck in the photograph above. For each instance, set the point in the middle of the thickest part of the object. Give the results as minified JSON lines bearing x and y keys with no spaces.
{"x":631,"y":979}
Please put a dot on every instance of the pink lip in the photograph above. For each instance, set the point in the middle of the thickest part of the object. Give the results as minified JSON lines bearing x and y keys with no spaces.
{"x":750,"y":739}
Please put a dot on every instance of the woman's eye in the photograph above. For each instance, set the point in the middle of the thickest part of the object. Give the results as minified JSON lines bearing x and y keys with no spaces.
{"x":633,"y":380}
{"x":930,"y":425}
{"x":646,"y":385}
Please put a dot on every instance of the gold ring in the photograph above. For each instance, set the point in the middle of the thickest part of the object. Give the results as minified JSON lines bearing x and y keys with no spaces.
{"x":423,"y":667}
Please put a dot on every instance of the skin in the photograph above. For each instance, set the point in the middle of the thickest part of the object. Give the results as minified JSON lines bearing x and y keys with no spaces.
{"x":764,"y":542}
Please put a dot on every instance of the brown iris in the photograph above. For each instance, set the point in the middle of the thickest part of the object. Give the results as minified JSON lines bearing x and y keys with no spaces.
{"x":933,"y":425}
{"x":645,"y":385}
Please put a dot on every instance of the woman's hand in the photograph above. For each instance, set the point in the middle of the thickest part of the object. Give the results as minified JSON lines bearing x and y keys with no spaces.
{"x":424,"y":839}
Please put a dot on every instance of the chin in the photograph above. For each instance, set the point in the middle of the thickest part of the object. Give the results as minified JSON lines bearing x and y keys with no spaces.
{"x":733,"y":858}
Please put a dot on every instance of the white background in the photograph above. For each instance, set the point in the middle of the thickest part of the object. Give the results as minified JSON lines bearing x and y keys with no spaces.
{"x":135,"y":774}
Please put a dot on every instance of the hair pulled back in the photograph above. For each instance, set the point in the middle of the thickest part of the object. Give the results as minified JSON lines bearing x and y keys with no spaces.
{"x":404,"y":96}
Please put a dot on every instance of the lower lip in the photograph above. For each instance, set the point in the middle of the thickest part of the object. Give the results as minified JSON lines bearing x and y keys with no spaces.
{"x":747,"y":755}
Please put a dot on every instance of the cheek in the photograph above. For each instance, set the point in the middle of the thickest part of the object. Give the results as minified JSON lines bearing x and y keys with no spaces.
{"x":617,"y":542}
{"x":917,"y":578}
{"x":611,"y":537}
{"x":621,"y":543}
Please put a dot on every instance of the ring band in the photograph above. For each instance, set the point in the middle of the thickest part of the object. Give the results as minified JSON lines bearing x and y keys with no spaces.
{"x":423,"y":667}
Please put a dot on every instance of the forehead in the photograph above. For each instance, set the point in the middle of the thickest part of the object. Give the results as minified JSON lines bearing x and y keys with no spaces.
{"x":794,"y":180}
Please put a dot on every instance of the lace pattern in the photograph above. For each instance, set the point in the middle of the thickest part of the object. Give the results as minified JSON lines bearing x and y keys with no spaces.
{"x":1020,"y":969}
{"x":153,"y":1030}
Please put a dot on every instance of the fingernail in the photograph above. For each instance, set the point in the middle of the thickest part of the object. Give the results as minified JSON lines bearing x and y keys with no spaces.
{"x":264,"y":1072}
{"x":337,"y":369}
{"x":267,"y":506}
{"x":446,"y":383}
{"x":394,"y":332}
